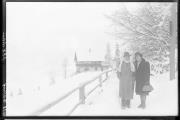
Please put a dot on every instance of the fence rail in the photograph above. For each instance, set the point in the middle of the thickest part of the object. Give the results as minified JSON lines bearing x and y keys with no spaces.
{"x":82,"y":95}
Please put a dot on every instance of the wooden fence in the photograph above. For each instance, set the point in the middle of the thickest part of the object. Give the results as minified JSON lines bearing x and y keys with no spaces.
{"x":82,"y":95}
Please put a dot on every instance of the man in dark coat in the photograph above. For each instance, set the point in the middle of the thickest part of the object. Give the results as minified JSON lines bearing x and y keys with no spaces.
{"x":126,"y":80}
{"x":142,"y":77}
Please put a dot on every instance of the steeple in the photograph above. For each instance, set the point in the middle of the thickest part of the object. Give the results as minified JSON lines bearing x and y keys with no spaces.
{"x":89,"y":50}
{"x":75,"y":58}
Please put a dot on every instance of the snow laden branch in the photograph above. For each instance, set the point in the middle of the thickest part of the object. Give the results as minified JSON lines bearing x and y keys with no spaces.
{"x":151,"y":23}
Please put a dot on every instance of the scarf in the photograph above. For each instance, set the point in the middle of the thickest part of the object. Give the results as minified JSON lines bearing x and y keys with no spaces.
{"x":131,"y":65}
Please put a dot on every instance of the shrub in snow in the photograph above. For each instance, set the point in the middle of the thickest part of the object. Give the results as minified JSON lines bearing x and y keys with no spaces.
{"x":38,"y":88}
{"x":52,"y":81}
{"x":20,"y":91}
{"x":11,"y":94}
{"x":160,"y":67}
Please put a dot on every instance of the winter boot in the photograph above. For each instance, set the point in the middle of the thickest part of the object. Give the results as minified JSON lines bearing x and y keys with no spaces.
{"x":143,"y":102}
{"x":139,"y":106}
{"x":128,"y":103}
{"x":123,"y":104}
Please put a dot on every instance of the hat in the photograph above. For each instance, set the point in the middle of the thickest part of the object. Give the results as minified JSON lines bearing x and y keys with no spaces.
{"x":126,"y":54}
{"x":138,"y":53}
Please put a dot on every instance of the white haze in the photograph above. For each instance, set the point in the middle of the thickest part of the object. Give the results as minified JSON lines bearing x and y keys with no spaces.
{"x":41,"y":35}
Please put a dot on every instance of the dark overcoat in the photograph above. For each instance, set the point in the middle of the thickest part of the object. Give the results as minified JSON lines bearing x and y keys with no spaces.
{"x":142,"y":76}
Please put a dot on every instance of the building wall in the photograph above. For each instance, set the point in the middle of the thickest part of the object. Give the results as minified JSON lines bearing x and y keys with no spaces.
{"x":82,"y":66}
{"x":88,"y":68}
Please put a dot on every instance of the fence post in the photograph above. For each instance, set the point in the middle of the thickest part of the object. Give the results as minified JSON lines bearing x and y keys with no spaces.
{"x":100,"y":80}
{"x":82,"y":94}
{"x":106,"y":75}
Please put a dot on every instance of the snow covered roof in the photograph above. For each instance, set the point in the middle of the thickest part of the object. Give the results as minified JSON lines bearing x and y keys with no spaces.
{"x":89,"y":55}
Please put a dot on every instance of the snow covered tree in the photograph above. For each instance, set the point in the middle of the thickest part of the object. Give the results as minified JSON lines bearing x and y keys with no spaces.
{"x":117,"y":51}
{"x":108,"y":56}
{"x":52,"y":78}
{"x":147,"y":30}
{"x":75,"y":58}
{"x":51,"y":75}
{"x":19,"y":91}
{"x":117,"y":55}
{"x":65,"y":65}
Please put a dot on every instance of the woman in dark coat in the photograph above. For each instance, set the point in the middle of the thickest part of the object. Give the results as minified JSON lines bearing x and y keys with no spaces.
{"x":142,"y":77}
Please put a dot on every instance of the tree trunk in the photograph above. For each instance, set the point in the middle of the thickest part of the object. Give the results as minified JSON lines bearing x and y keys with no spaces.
{"x":173,"y":40}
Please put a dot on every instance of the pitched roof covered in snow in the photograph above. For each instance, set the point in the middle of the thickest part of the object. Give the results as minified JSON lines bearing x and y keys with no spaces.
{"x":89,"y":55}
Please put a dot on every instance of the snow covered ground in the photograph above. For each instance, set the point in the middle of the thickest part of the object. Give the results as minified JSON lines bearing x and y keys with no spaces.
{"x":31,"y":99}
{"x":162,"y":101}
{"x":103,"y":101}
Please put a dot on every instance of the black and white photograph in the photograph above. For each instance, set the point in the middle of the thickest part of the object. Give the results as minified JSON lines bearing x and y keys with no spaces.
{"x":100,"y":119}
{"x":91,"y":59}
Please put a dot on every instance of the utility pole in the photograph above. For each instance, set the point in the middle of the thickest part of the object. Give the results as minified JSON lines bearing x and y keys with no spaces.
{"x":173,"y":33}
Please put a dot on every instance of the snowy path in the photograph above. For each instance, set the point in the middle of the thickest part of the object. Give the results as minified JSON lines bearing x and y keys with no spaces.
{"x":162,"y":101}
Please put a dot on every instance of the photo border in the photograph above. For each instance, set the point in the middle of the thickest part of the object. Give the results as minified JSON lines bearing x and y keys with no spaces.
{"x":3,"y":84}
